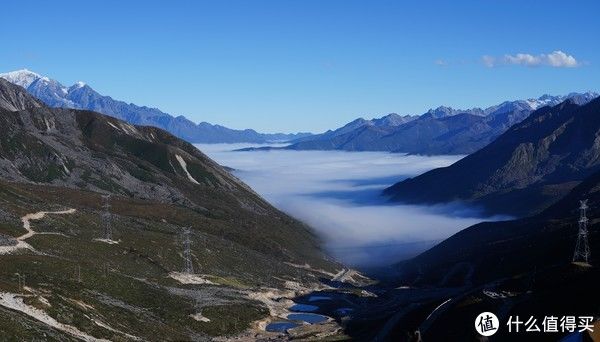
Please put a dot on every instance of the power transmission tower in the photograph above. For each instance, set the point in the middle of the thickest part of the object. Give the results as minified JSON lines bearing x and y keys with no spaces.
{"x":106,"y":217}
{"x":582,"y":248}
{"x":21,"y":279}
{"x":188,"y":267}
{"x":105,"y":270}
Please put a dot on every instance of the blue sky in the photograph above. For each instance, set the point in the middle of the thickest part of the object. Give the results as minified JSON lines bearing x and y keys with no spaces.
{"x":306,"y":65}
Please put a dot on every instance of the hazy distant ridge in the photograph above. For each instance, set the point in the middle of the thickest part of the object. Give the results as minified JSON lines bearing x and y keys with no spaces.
{"x":443,"y":130}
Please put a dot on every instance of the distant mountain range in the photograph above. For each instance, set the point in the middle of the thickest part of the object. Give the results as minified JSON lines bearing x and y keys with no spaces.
{"x":443,"y":130}
{"x":82,"y":96}
{"x":526,"y":169}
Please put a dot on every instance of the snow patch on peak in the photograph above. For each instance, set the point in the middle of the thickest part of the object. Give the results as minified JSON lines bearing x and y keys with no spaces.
{"x":533,"y":103}
{"x":22,"y":72}
{"x":23,"y":77}
{"x":551,"y":100}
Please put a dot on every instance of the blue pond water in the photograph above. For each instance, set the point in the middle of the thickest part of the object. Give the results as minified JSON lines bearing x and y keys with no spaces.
{"x":281,"y":326}
{"x":307,"y":317}
{"x":303,"y":308}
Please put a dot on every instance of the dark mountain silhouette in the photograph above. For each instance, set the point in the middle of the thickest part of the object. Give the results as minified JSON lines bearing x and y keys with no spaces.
{"x":521,"y":267}
{"x":513,"y":268}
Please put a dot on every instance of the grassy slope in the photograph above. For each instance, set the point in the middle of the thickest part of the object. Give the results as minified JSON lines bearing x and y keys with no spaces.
{"x":161,"y":184}
{"x":138,"y":266}
{"x":144,"y":166}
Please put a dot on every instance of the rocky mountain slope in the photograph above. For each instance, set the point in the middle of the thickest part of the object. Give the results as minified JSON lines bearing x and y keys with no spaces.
{"x":523,"y":171}
{"x":62,"y":277}
{"x":521,"y":267}
{"x":12,"y":99}
{"x":443,"y":130}
{"x":511,"y":268}
{"x":82,"y":96}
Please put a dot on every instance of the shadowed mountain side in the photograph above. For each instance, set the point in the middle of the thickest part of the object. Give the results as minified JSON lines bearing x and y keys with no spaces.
{"x":524,"y":171}
{"x":511,"y":268}
{"x":500,"y":249}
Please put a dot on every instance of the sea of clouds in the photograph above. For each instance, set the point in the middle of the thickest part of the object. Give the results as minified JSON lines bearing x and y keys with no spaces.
{"x":339,"y":194}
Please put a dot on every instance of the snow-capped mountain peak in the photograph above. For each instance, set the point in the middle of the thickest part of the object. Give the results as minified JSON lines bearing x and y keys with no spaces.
{"x":23,"y":77}
{"x":550,"y":100}
{"x":78,"y":85}
{"x":46,"y":89}
{"x":26,"y":78}
{"x":544,"y":100}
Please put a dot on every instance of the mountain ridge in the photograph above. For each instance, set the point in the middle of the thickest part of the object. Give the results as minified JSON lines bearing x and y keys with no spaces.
{"x":82,"y":96}
{"x":442,"y":130}
{"x":533,"y":163}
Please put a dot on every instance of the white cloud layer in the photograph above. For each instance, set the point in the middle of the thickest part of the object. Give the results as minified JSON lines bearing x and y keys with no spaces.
{"x":555,"y":59}
{"x":338,"y":194}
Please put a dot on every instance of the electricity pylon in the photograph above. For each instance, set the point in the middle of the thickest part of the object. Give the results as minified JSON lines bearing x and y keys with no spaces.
{"x":21,"y":279}
{"x":582,"y":248}
{"x":106,"y":217}
{"x":188,"y":267}
{"x":78,"y":273}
